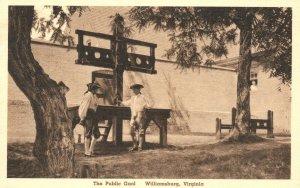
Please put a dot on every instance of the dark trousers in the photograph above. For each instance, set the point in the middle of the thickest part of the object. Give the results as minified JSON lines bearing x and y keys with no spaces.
{"x":91,"y":127}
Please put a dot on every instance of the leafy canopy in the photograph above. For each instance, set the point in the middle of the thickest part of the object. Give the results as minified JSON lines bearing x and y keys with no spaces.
{"x":59,"y":19}
{"x":201,"y":34}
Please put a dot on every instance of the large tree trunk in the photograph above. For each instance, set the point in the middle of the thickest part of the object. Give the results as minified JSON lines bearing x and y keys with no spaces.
{"x":241,"y":129}
{"x":54,"y":143}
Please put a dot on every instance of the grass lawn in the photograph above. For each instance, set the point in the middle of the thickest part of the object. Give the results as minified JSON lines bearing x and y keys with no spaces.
{"x":264,"y":160}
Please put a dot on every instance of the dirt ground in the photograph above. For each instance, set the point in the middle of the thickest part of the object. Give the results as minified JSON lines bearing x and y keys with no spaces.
{"x":264,"y":160}
{"x":187,"y":156}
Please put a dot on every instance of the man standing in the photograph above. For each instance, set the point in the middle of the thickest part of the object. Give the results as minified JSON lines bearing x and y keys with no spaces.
{"x":88,"y":119}
{"x":138,"y":104}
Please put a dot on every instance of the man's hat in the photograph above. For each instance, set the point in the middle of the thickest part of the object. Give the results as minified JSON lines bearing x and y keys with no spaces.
{"x":93,"y":86}
{"x":136,"y":86}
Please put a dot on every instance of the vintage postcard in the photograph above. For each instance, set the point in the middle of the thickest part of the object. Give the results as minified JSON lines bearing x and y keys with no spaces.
{"x":147,"y":94}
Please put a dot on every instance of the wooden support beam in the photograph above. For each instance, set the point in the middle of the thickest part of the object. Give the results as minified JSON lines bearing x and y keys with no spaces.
{"x":79,"y":49}
{"x":117,"y":124}
{"x":233,"y":115}
{"x":218,"y":128}
{"x":270,"y":125}
{"x":163,"y":140}
{"x":119,"y":51}
{"x":141,"y":43}
{"x":93,"y":34}
{"x":152,"y":56}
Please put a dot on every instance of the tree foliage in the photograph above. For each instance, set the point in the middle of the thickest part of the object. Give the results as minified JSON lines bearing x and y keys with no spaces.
{"x":273,"y":36}
{"x":201,"y":34}
{"x":55,"y":24}
{"x":118,"y":24}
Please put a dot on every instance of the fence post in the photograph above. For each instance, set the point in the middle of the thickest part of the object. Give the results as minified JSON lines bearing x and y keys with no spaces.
{"x":218,"y":128}
{"x":270,"y":124}
{"x":253,"y":127}
{"x":233,"y":114}
{"x":79,"y":139}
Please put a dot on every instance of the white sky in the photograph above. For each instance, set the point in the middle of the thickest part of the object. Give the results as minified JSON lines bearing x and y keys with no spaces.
{"x":45,"y":12}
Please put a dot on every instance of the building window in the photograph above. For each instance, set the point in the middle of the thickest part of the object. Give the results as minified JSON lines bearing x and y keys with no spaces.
{"x":253,"y":75}
{"x":253,"y":81}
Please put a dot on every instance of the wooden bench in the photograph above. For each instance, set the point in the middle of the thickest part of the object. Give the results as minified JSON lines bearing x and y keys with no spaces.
{"x":220,"y":125}
{"x":263,"y":124}
{"x":254,"y":124}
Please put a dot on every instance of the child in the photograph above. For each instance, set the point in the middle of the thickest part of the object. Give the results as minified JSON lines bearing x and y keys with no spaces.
{"x":138,"y":104}
{"x":88,"y":119}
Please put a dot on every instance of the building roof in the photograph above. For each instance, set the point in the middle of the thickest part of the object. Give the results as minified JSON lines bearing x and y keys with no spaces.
{"x":233,"y":62}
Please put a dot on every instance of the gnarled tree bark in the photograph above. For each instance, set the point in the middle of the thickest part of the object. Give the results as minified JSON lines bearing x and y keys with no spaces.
{"x":241,"y":129}
{"x":54,"y":143}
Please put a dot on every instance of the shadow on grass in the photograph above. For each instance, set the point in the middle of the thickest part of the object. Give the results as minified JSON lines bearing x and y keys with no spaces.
{"x":21,"y":163}
{"x":265,"y":160}
{"x":110,"y":149}
{"x":263,"y":164}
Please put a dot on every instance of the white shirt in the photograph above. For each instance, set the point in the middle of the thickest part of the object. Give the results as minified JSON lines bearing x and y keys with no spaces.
{"x":137,"y":103}
{"x":89,"y":101}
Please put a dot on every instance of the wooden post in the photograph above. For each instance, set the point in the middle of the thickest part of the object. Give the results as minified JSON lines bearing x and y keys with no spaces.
{"x":88,"y":169}
{"x":79,"y":139}
{"x":163,"y":132}
{"x":147,"y":122}
{"x":270,"y":125}
{"x":116,"y":121}
{"x":120,"y":53}
{"x":233,"y":115}
{"x":152,"y":56}
{"x":253,"y":128}
{"x":218,"y":128}
{"x":117,"y":130}
{"x":107,"y":130}
{"x":80,"y":49}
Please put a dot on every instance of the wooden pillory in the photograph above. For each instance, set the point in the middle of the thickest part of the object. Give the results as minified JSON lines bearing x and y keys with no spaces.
{"x":117,"y":57}
{"x":118,"y":60}
{"x":254,"y":124}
